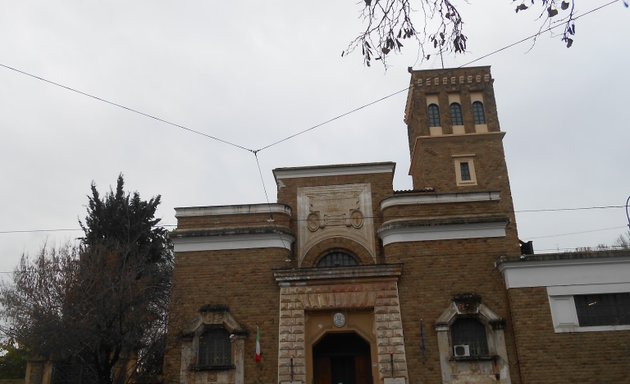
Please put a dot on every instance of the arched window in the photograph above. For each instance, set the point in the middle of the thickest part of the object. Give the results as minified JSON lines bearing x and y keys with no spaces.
{"x":456,"y":114}
{"x":337,"y":259}
{"x":469,"y":339}
{"x":478,"y":114}
{"x":433,"y":115}
{"x":215,"y":349}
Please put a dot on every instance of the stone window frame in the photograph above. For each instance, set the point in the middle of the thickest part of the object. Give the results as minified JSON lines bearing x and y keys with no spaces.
{"x":469,"y":305}
{"x":458,"y":162}
{"x":213,"y":317}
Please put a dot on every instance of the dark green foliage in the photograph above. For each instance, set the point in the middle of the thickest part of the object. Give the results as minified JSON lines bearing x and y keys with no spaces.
{"x":12,"y":362}
{"x":125,"y":222}
{"x":93,"y":307}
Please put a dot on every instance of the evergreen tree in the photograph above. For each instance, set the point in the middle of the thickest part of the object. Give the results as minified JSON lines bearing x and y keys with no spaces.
{"x":95,"y":308}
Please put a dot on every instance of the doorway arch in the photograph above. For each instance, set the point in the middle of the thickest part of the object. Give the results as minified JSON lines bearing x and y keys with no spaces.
{"x":342,"y":358}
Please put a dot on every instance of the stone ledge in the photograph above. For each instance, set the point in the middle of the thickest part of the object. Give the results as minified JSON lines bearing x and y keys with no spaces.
{"x":304,"y":276}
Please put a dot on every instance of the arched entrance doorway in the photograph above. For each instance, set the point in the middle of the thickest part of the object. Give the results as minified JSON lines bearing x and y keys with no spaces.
{"x":342,"y":358}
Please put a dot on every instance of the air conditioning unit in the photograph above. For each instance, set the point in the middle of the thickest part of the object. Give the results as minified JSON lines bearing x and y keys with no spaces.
{"x":461,"y":350}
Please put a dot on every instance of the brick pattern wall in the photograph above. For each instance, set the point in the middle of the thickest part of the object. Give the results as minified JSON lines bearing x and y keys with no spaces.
{"x":435,"y":271}
{"x":240,"y":279}
{"x":231,"y":221}
{"x":462,"y":81}
{"x":555,"y":358}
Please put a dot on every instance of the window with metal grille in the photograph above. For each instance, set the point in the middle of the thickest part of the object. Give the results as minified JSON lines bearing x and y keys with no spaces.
{"x":456,"y":114}
{"x":479,"y":115}
{"x":337,"y":259}
{"x":471,"y":332}
{"x":433,"y":115}
{"x":603,"y":309}
{"x":215,"y":349}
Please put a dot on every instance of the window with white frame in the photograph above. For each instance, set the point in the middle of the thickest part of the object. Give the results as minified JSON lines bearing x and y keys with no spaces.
{"x":591,"y":307}
{"x":465,"y":170}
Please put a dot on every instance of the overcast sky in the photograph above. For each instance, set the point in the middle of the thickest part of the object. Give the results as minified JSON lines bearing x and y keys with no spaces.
{"x":253,"y":72}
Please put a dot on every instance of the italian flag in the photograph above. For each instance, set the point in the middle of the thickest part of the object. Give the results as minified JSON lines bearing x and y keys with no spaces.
{"x":258,"y":354}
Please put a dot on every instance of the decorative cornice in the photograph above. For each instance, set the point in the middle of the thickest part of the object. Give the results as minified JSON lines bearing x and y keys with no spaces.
{"x":245,"y":209}
{"x":334,"y":170}
{"x":400,"y":231}
{"x":565,"y":271}
{"x":187,"y":242}
{"x":439,"y":198}
{"x":303,"y":276}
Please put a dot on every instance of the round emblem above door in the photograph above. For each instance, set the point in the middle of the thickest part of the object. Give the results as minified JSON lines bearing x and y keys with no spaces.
{"x":339,"y":319}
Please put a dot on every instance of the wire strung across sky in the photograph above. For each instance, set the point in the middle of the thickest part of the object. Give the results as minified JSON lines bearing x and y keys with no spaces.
{"x":255,"y":152}
{"x":541,"y":210}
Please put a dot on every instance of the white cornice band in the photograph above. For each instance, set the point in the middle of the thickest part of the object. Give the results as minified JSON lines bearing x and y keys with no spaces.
{"x":442,"y":232}
{"x":549,"y":273}
{"x":245,"y":209}
{"x":440,"y":198}
{"x":338,"y":170}
{"x":231,"y":242}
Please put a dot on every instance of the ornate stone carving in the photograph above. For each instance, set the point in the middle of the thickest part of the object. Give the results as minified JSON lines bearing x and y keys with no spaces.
{"x":335,"y":211}
{"x":467,"y":302}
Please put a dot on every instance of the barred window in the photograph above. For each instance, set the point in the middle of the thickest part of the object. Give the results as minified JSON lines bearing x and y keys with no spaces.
{"x":479,"y":115}
{"x":603,"y":309}
{"x":433,"y":115}
{"x":215,"y":349}
{"x":468,"y":331}
{"x":337,"y":259}
{"x":456,"y":114}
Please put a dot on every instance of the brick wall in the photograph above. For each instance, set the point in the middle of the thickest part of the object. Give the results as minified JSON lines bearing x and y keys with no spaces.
{"x":240,"y":279}
{"x":434,"y":271}
{"x":549,"y":357}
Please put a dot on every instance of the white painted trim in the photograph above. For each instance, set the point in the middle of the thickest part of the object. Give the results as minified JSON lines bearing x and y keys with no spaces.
{"x":563,"y":311}
{"x":338,"y":170}
{"x":230,"y":242}
{"x":440,"y":198}
{"x":550,"y":273}
{"x":442,"y":232}
{"x":232,"y":210}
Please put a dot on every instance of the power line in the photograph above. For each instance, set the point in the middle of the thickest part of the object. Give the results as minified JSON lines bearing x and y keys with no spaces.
{"x":542,"y":210}
{"x":334,"y":118}
{"x":567,"y":209}
{"x":154,"y":117}
{"x":98,"y":98}
{"x":575,"y":233}
{"x":536,"y":34}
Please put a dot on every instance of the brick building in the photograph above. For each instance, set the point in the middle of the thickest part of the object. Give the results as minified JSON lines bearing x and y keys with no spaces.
{"x":344,"y":280}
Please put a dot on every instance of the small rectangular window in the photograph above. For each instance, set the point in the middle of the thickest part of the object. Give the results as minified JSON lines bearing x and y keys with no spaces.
{"x":464,"y":170}
{"x":603,"y":309}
